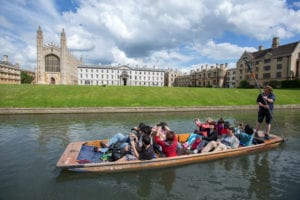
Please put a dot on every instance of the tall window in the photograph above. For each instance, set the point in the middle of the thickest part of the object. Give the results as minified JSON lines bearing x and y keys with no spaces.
{"x":52,"y":63}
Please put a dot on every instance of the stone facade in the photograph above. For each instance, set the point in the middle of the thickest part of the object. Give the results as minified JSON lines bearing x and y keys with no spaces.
{"x":213,"y":76}
{"x":55,"y":65}
{"x":280,"y":62}
{"x":9,"y":73}
{"x":120,"y":75}
{"x":170,"y":76}
{"x":230,"y":78}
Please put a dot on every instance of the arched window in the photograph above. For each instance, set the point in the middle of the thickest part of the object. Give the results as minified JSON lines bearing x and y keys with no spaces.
{"x":52,"y":63}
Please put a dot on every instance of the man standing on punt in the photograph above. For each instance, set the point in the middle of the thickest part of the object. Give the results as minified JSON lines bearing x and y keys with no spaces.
{"x":266,"y":104}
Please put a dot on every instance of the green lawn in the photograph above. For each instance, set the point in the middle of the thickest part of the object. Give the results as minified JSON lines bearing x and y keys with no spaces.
{"x":29,"y":96}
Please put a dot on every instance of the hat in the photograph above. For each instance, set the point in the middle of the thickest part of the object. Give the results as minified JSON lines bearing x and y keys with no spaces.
{"x":269,"y":87}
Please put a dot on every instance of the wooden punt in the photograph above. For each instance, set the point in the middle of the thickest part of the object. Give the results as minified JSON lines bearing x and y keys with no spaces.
{"x":69,"y":161}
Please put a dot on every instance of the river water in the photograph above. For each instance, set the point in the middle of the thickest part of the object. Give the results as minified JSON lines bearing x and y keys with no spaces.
{"x":30,"y":146}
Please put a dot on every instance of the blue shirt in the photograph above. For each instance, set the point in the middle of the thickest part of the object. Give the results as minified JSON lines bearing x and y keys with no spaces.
{"x":261,"y":100}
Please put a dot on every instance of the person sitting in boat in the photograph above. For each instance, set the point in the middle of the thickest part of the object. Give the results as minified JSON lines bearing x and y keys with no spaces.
{"x":169,"y":145}
{"x":227,"y":141}
{"x":212,"y":135}
{"x":220,"y":125}
{"x":159,"y":130}
{"x":146,"y":152}
{"x":201,"y":130}
{"x":124,"y":140}
{"x":225,"y":130}
{"x":245,"y":135}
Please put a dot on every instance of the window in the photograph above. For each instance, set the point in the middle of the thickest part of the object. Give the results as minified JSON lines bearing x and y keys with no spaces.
{"x":267,"y":61}
{"x":266,"y":75}
{"x":278,"y":75}
{"x":52,"y":63}
{"x":279,"y":59}
{"x":267,"y":67}
{"x":279,"y":66}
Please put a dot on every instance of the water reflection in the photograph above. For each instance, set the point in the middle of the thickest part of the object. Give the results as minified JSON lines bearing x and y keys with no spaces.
{"x":260,"y":182}
{"x":30,"y":146}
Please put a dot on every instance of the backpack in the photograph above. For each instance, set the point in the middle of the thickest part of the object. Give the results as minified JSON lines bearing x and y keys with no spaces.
{"x":117,"y":152}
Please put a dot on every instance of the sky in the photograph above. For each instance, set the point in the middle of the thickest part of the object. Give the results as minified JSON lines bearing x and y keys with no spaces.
{"x":181,"y":34}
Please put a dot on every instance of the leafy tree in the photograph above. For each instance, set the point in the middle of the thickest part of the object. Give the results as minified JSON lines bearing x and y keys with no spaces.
{"x":26,"y":78}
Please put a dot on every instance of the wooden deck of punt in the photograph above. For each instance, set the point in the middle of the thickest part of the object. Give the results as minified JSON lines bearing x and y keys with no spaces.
{"x":68,"y":160}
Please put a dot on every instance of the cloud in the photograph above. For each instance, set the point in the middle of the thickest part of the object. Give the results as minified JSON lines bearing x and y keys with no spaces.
{"x":161,"y":33}
{"x":222,"y":51}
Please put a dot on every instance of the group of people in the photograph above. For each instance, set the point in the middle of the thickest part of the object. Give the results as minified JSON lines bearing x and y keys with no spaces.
{"x":145,"y":142}
{"x":148,"y":142}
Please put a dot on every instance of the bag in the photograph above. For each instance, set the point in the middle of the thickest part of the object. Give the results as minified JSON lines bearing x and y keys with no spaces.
{"x":117,"y":153}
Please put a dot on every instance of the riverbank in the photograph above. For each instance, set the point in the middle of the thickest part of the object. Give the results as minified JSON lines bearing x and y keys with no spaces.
{"x":82,"y":97}
{"x":82,"y":110}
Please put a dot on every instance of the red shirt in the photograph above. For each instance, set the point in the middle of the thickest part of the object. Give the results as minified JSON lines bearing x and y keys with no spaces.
{"x":169,"y":150}
{"x":224,"y":131}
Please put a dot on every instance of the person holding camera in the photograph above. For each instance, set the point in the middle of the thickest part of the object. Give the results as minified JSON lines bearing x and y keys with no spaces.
{"x":146,"y":152}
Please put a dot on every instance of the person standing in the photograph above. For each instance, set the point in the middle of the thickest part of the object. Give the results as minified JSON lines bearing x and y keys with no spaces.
{"x":265,"y":102}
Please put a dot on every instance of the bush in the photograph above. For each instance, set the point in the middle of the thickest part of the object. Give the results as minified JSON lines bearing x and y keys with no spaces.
{"x":244,"y":84}
{"x":290,"y":83}
{"x":275,"y":84}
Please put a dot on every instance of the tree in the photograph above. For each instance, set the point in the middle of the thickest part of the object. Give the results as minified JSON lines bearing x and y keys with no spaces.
{"x":26,"y":78}
{"x":244,"y":84}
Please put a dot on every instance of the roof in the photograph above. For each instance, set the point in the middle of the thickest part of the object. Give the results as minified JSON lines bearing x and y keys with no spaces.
{"x":282,"y":50}
{"x":6,"y":63}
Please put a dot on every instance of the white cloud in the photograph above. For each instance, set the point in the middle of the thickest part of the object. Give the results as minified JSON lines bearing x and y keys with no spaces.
{"x":222,"y":51}
{"x":148,"y":32}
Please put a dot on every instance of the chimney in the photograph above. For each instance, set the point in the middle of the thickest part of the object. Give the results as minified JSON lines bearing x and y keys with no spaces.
{"x":275,"y":43}
{"x":261,"y":47}
{"x":5,"y":58}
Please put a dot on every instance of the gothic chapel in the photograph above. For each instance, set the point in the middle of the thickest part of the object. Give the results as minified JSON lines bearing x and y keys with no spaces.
{"x":55,"y":65}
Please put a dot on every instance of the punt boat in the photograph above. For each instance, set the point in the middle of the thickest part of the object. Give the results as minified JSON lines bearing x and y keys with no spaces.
{"x":80,"y":157}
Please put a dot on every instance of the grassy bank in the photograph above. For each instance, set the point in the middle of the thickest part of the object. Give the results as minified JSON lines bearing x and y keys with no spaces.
{"x":30,"y":96}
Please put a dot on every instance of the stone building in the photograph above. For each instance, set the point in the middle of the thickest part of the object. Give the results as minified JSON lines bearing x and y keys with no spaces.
{"x":170,"y":76}
{"x":213,"y":76}
{"x":183,"y":81}
{"x":280,"y":62}
{"x":230,"y":78}
{"x":120,"y":75}
{"x":55,"y":64}
{"x":9,"y":73}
